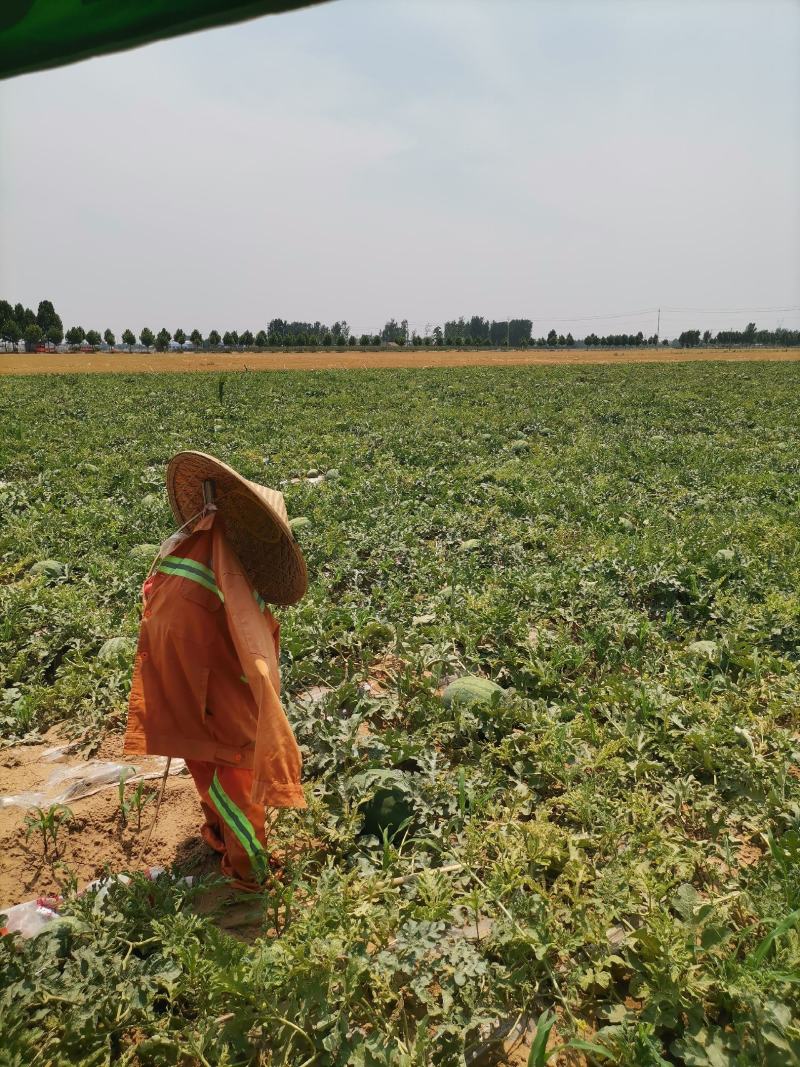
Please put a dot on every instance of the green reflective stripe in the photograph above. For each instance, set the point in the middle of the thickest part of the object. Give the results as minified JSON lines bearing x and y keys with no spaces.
{"x":236,"y":819}
{"x":243,"y":678}
{"x":259,"y":600}
{"x":195,"y":572}
{"x":192,"y":564}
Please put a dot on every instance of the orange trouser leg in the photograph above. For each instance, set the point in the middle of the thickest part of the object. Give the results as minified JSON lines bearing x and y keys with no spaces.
{"x":234,"y":824}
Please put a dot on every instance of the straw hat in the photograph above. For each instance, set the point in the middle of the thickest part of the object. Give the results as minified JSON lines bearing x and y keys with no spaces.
{"x":256,"y":523}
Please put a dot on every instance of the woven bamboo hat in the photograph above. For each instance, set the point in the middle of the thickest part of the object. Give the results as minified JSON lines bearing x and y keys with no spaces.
{"x":256,"y":523}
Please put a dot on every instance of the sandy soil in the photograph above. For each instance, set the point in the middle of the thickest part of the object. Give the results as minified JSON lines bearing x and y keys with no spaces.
{"x":123,"y":363}
{"x":96,"y":838}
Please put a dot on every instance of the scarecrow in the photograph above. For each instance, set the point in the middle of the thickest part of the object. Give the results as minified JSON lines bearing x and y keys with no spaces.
{"x":205,"y":681}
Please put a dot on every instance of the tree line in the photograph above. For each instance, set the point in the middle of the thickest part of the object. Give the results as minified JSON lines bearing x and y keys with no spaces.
{"x":44,"y":327}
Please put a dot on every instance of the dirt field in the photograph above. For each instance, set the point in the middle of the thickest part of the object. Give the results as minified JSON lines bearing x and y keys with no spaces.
{"x":123,"y":363}
{"x":96,"y":838}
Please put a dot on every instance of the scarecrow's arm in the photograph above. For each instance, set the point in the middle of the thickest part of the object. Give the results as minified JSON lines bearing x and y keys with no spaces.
{"x":276,"y":762}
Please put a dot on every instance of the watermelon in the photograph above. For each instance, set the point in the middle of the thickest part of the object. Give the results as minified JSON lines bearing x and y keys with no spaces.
{"x":299,"y":523}
{"x":332,"y":474}
{"x":49,"y":568}
{"x":470,"y":545}
{"x":377,"y":633}
{"x":146,"y":552}
{"x":387,"y":807}
{"x":387,"y":811}
{"x":470,"y":690}
{"x":518,"y":447}
{"x":115,"y":650}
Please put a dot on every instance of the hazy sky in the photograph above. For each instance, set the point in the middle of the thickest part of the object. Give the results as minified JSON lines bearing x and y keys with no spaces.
{"x":376,"y":158}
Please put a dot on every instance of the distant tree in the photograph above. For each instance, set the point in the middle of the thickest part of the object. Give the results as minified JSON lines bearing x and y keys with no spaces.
{"x":109,"y":338}
{"x":33,"y":336}
{"x":147,"y":337}
{"x":327,"y":340}
{"x":261,"y":339}
{"x":351,"y":341}
{"x":75,"y":336}
{"x":665,"y":341}
{"x":10,"y":331}
{"x":438,"y":336}
{"x":246,"y":340}
{"x":93,"y":338}
{"x":750,"y":333}
{"x":365,"y":340}
{"x":552,"y":338}
{"x":562,"y":340}
{"x":570,"y":341}
{"x":24,"y":316}
{"x":689,"y":339}
{"x":180,"y":337}
{"x":196,"y":338}
{"x":163,"y":339}
{"x":213,"y":339}
{"x":227,"y":339}
{"x":706,"y":337}
{"x":234,"y":338}
{"x":55,"y":335}
{"x":341,"y":340}
{"x":48,"y":320}
{"x":128,"y":338}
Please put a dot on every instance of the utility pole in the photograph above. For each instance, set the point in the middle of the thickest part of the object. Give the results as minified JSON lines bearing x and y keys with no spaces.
{"x":658,"y":328}
{"x":508,"y":331}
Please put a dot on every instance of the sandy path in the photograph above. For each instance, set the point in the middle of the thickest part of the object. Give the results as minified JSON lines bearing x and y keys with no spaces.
{"x":124,"y":363}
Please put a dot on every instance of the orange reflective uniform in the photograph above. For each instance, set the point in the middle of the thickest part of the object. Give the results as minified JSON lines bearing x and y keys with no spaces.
{"x":206,"y":687}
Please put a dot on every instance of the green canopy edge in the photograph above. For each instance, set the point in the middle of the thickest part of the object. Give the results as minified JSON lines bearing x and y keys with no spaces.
{"x":36,"y":34}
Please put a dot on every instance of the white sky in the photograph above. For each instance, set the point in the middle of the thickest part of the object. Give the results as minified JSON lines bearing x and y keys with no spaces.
{"x":376,"y":158}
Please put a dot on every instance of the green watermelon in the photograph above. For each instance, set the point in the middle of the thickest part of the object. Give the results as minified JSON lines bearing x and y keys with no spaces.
{"x":470,"y":690}
{"x":518,"y":447}
{"x":470,"y":545}
{"x":145,"y":552}
{"x":387,"y":807}
{"x":377,"y":633}
{"x":387,"y":811}
{"x":50,"y":568}
{"x":115,"y":650}
{"x":299,"y":523}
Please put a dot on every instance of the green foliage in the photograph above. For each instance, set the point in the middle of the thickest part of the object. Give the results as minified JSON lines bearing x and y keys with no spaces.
{"x":616,"y":843}
{"x":48,"y":825}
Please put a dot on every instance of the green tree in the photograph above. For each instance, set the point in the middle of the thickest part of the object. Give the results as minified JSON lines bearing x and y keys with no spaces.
{"x":180,"y":337}
{"x":163,"y":339}
{"x":246,"y":340}
{"x":109,"y":338}
{"x":75,"y":336}
{"x":147,"y":337}
{"x":129,"y":338}
{"x":10,"y":331}
{"x":93,"y":338}
{"x":48,"y":320}
{"x":33,"y":336}
{"x":196,"y":338}
{"x":570,"y":341}
{"x":552,"y":339}
{"x":227,"y":339}
{"x":261,"y":339}
{"x":55,"y":334}
{"x":213,"y":339}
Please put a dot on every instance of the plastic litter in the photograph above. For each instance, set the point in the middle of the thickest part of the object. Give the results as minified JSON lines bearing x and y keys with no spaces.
{"x":68,"y":784}
{"x":32,"y":916}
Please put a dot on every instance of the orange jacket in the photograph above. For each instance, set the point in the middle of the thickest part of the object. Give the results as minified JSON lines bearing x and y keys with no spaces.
{"x":205,"y":682}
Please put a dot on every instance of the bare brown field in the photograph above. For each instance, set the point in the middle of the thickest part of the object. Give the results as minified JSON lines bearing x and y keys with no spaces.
{"x":139,"y":363}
